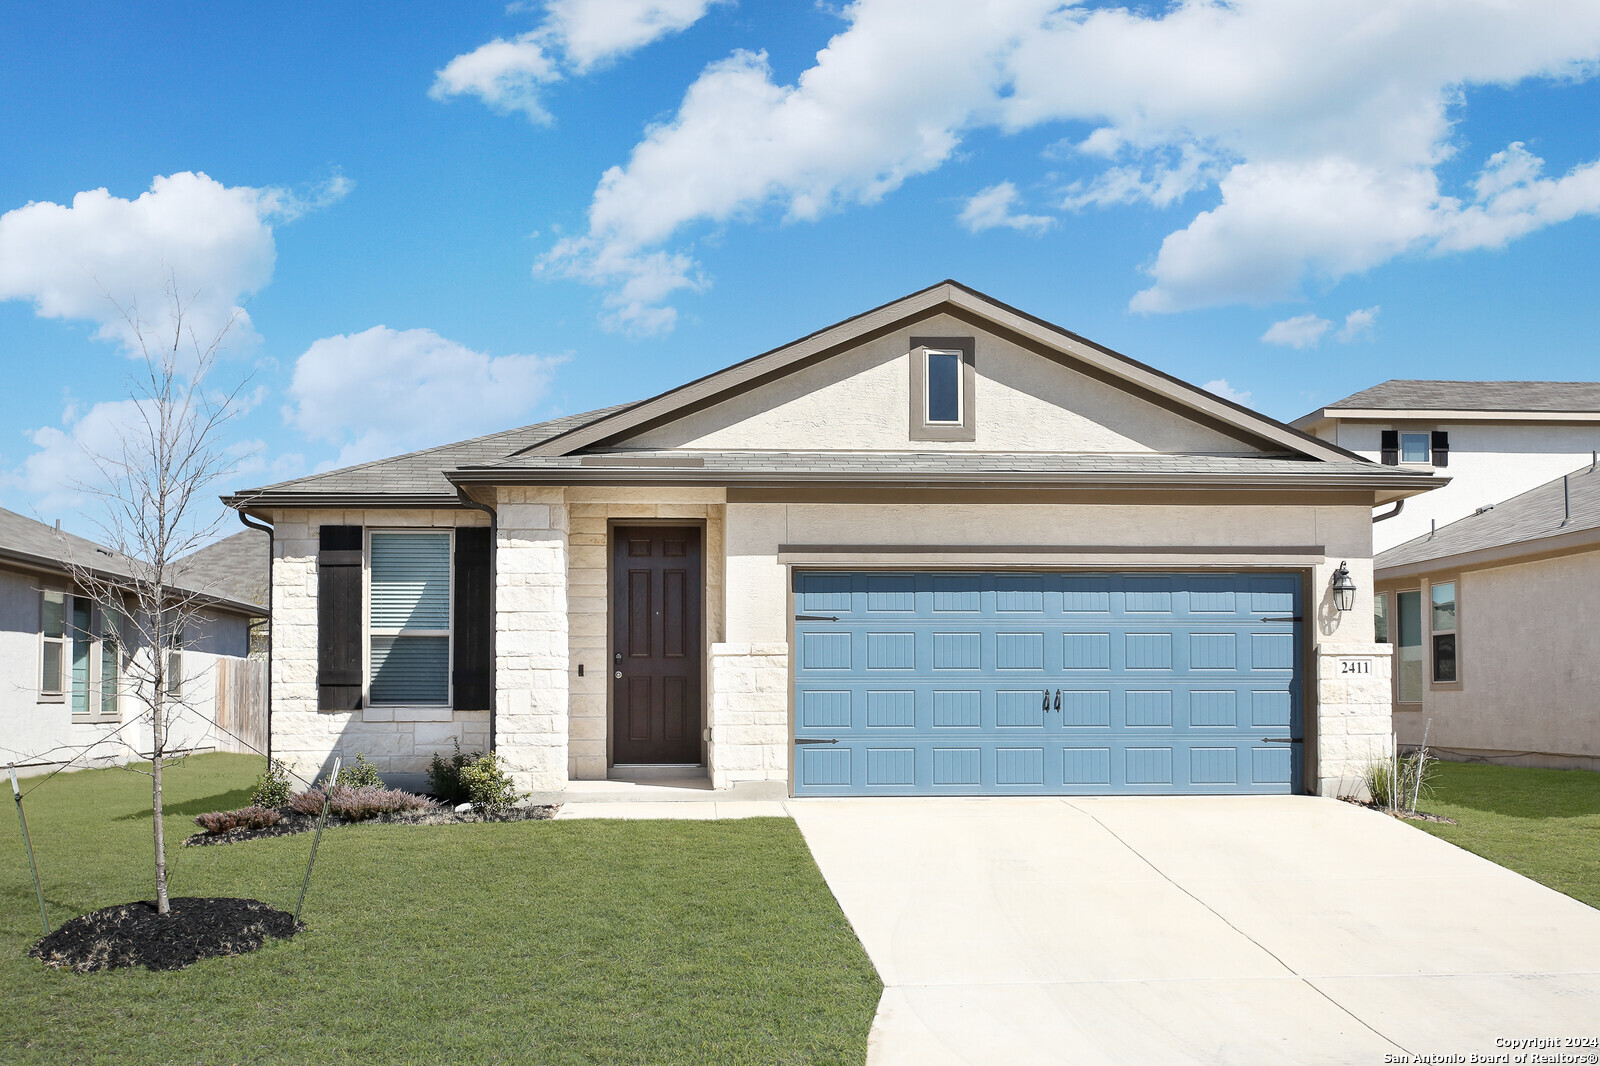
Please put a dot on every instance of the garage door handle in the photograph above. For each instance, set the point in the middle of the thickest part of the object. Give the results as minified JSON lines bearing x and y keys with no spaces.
{"x":816,"y":618}
{"x":1281,"y":740}
{"x":813,"y":740}
{"x":1285,"y":618}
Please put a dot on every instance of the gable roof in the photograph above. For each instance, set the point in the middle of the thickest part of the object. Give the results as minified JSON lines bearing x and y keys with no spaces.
{"x":37,"y":546}
{"x":1466,"y":400}
{"x":959,"y":301}
{"x":239,"y":567}
{"x":413,"y":479}
{"x":1535,"y":522}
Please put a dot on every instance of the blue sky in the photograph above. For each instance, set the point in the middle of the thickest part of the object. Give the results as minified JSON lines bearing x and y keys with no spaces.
{"x":451,"y":219}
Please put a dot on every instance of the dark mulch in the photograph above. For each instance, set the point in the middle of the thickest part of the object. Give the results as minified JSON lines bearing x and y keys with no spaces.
{"x":133,"y":934}
{"x":295,"y":822}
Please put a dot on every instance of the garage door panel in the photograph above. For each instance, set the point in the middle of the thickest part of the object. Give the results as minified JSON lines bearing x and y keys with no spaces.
{"x":937,"y":683}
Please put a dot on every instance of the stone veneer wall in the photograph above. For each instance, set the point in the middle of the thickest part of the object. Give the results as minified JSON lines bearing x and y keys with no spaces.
{"x":1354,"y":727}
{"x":531,"y":653}
{"x":749,"y":713}
{"x":589,"y":610}
{"x":394,"y":739}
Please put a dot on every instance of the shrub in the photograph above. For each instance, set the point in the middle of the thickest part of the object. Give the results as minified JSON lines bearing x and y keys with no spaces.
{"x":257,"y":817}
{"x":358,"y":804}
{"x":360,"y":774}
{"x":444,"y":775}
{"x":1393,"y":784}
{"x":272,"y":789}
{"x":487,"y":787}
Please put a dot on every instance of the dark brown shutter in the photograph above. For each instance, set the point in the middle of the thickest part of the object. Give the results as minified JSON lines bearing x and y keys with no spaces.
{"x":1441,"y":448}
{"x":339,"y":663}
{"x":470,"y":671}
{"x":1391,"y":447}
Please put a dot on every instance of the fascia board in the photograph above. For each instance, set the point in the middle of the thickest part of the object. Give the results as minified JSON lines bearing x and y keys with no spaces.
{"x":1423,"y":414}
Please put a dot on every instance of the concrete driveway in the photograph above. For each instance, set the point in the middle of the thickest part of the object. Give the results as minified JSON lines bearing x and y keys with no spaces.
{"x":1197,"y":929}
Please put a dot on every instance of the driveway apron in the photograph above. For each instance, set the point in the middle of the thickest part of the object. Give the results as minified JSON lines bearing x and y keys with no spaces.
{"x":1261,"y":929}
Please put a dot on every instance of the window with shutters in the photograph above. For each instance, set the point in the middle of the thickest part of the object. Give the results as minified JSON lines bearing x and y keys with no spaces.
{"x":409,"y":617}
{"x":1415,"y":447}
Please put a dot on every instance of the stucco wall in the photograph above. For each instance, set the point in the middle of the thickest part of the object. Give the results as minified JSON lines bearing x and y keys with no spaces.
{"x":41,"y":734}
{"x":860,"y":401}
{"x":1488,"y":463}
{"x":1529,"y":666}
{"x":398,"y":740}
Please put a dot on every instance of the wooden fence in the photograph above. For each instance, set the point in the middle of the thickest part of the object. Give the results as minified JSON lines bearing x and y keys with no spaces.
{"x":241,"y":707}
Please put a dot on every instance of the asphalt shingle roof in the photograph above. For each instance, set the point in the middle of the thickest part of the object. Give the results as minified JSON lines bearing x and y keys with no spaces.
{"x":422,"y":472}
{"x":23,"y":539}
{"x":239,"y":567}
{"x":1525,"y":519}
{"x":1402,"y":394}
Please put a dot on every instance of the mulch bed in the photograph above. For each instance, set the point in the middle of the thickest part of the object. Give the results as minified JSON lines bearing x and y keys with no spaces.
{"x":294,"y":822}
{"x":1409,"y":816}
{"x":133,"y":934}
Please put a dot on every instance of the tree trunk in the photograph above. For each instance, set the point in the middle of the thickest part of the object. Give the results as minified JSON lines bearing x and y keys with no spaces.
{"x":158,"y":741}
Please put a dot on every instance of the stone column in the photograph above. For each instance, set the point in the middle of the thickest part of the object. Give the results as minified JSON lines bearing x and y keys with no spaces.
{"x":1355,"y":722}
{"x":749,"y":713}
{"x":531,"y":639}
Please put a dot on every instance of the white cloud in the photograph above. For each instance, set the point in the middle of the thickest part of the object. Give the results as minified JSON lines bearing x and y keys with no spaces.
{"x":1302,"y":331}
{"x":383,"y":391}
{"x":1221,"y":388}
{"x":1358,"y":324}
{"x":1321,"y":125}
{"x":213,"y":241}
{"x":575,"y":37}
{"x":992,"y":207}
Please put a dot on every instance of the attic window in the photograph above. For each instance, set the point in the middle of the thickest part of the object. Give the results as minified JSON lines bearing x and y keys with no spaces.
{"x":943,"y":376}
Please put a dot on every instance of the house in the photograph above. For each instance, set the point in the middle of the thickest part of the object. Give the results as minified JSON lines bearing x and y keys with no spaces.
{"x":66,"y":667}
{"x":239,"y":567}
{"x":941,"y":547}
{"x":1493,"y":618}
{"x":1494,"y":438}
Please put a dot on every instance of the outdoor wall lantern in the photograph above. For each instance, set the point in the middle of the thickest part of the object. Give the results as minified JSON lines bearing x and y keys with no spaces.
{"x":1344,"y":589}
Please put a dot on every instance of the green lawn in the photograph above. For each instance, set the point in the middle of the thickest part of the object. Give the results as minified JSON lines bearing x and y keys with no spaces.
{"x":530,"y":942}
{"x":1544,"y":824}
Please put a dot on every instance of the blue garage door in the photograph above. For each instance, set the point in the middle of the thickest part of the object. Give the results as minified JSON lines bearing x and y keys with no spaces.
{"x":913,"y":684}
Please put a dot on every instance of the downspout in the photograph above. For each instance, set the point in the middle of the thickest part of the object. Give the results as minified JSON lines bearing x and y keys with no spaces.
{"x":494,"y":571}
{"x":1399,"y":505}
{"x":272,"y":624}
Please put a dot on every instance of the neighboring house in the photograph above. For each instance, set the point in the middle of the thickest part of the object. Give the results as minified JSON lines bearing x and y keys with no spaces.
{"x":64,"y":665}
{"x":239,"y":567}
{"x":942,"y":547}
{"x":1494,"y":619}
{"x":1493,"y":438}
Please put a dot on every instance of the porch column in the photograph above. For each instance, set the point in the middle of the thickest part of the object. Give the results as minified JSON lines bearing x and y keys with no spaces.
{"x":531,"y":637}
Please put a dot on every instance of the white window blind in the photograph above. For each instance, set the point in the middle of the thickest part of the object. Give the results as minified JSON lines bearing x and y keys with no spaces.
{"x":410,"y":618}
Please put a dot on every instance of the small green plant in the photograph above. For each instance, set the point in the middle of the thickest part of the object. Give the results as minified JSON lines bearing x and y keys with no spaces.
{"x":487,"y":787}
{"x":1400,"y":784}
{"x":360,"y":774}
{"x":444,"y":775}
{"x":272,"y":789}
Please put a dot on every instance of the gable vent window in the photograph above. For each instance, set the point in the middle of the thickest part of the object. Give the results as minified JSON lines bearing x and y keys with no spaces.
{"x":410,"y":619}
{"x":943,"y":376}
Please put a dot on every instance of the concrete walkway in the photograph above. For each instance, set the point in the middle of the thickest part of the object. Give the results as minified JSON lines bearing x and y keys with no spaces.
{"x":1194,"y":930}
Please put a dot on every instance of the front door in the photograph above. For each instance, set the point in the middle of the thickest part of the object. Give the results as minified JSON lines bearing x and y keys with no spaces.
{"x":656,"y":657}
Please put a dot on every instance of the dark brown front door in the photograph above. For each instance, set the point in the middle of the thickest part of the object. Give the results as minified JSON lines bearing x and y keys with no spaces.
{"x":655,"y":641}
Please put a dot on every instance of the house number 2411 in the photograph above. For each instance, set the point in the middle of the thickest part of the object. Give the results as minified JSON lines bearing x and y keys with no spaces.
{"x":1354,"y":666}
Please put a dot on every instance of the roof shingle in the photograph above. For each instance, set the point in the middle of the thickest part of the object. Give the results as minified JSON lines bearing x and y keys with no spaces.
{"x":1400,"y":394}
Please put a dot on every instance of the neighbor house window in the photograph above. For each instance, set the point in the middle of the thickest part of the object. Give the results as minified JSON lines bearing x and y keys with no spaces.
{"x":175,"y":666}
{"x":1443,"y":625}
{"x":52,"y":626}
{"x":410,"y":618}
{"x":77,"y":665}
{"x":943,"y":381}
{"x":1380,"y":617}
{"x":1408,"y":651}
{"x":1414,"y":448}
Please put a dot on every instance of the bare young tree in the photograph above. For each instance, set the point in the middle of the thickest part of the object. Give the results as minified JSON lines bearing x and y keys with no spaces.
{"x":153,"y":485}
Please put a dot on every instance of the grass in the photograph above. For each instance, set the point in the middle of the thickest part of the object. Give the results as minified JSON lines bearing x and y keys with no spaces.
{"x":1544,"y":824}
{"x":528,"y":942}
